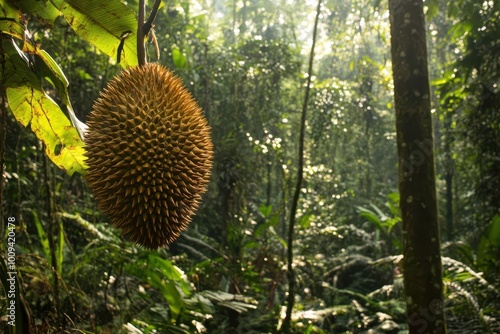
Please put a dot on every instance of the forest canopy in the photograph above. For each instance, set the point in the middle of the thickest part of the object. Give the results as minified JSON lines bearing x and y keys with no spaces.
{"x":306,"y":221}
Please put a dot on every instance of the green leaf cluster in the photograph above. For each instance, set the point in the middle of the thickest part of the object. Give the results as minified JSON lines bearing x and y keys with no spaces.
{"x":34,"y":81}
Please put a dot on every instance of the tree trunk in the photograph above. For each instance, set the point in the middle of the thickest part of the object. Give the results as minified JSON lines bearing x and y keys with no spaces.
{"x":422,"y":256}
{"x":290,"y":300}
{"x":449,"y":205}
{"x":448,"y":167}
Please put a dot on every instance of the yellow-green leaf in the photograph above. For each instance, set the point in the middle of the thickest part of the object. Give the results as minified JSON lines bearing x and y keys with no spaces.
{"x":9,"y":24}
{"x":103,"y":23}
{"x":43,"y":11}
{"x":62,"y":142}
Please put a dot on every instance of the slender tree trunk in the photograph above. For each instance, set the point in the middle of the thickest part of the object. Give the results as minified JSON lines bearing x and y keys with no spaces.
{"x":290,"y":301}
{"x":422,"y":257}
{"x":449,"y":205}
{"x":448,"y":173}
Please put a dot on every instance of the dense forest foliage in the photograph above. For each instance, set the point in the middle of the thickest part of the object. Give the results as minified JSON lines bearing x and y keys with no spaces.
{"x":246,"y":62}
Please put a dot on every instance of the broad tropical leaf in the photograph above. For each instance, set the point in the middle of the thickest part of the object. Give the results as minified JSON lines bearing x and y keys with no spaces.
{"x":31,"y":105}
{"x":10,"y":21}
{"x":44,"y":11}
{"x":104,"y":24}
{"x":62,"y":142}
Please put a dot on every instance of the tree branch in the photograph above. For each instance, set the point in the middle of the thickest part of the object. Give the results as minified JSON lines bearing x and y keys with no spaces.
{"x":149,"y":23}
{"x":141,"y":49}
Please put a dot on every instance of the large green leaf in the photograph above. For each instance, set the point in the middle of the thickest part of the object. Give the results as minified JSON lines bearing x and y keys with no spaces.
{"x":44,"y":66}
{"x":165,"y":277}
{"x":29,"y":104}
{"x":50,"y":70}
{"x":17,"y":68}
{"x":62,"y":142}
{"x":47,"y":68}
{"x":102,"y":23}
{"x":9,"y":24}
{"x":42,"y":10}
{"x":169,"y":271}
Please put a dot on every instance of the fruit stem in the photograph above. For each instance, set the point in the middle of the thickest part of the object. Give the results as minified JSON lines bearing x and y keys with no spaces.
{"x":141,"y":49}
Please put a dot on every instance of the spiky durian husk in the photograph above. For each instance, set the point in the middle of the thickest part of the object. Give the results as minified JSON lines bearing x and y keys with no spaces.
{"x":149,"y":154}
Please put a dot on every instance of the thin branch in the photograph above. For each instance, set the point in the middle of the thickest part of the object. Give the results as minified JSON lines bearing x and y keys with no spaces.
{"x":300,"y":175}
{"x":149,"y":23}
{"x":141,"y":49}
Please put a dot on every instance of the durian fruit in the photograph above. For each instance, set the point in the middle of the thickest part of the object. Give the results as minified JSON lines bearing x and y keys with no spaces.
{"x":149,"y":154}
